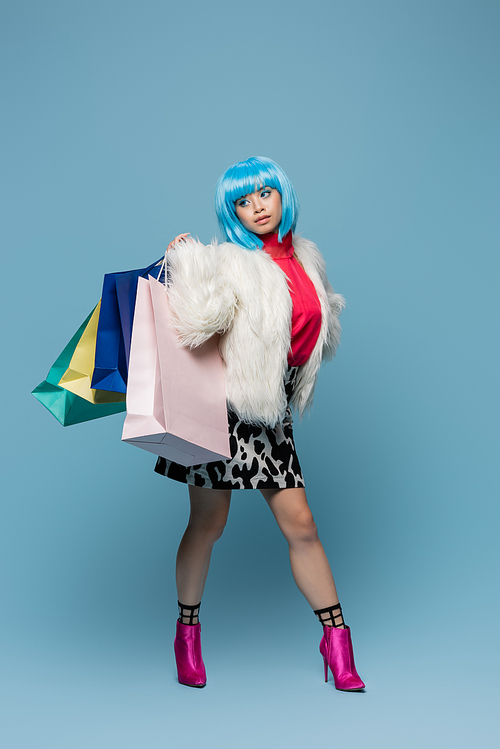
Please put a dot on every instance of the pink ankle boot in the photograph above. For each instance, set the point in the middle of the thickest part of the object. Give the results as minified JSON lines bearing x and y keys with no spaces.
{"x":187,"y":649}
{"x":336,"y":649}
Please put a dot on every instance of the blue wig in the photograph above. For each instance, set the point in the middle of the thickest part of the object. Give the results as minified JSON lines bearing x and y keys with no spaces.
{"x":242,"y":179}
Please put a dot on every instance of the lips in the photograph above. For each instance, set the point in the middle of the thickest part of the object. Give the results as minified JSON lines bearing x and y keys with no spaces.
{"x":262,"y":219}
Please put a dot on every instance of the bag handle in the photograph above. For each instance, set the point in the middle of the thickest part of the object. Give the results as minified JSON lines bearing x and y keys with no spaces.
{"x":163,"y":267}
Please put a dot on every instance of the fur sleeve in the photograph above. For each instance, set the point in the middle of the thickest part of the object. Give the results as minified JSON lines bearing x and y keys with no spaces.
{"x":329,"y":338}
{"x":336,"y":303}
{"x":201,"y":299}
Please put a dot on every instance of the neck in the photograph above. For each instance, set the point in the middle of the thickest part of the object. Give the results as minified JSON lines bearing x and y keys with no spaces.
{"x":275,"y":248}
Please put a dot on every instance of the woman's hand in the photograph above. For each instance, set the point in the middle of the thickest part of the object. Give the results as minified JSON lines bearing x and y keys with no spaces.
{"x":179,"y":238}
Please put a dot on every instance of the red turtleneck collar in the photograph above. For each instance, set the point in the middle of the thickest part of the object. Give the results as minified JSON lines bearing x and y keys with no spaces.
{"x":276,"y":249}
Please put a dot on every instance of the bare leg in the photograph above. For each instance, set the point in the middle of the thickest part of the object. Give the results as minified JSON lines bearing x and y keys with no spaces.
{"x":310,"y":567}
{"x":209,"y":510}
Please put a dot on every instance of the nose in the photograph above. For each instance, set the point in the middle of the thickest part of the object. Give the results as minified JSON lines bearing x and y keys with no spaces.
{"x":258,"y":208}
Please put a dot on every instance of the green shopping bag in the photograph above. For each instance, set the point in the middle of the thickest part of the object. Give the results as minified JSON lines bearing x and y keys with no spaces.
{"x":67,"y":407}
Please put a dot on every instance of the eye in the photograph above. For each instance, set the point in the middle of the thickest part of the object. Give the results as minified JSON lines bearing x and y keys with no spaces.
{"x":243,"y":202}
{"x":265,"y":193}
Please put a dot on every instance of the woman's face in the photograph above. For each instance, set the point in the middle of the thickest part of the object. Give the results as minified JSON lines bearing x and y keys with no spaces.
{"x":260,"y":211}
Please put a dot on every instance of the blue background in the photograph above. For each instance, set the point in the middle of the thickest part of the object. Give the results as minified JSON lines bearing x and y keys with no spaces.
{"x":117,"y":119}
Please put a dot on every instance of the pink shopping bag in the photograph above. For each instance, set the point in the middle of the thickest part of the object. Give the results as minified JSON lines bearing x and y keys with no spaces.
{"x":176,"y":400}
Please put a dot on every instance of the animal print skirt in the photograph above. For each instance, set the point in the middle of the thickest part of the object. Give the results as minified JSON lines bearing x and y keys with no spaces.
{"x":262,"y":458}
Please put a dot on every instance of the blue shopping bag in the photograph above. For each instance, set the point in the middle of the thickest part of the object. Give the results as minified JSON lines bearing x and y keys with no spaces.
{"x":114,"y":331}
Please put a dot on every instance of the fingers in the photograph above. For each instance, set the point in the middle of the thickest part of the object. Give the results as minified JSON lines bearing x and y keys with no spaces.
{"x":179,"y":238}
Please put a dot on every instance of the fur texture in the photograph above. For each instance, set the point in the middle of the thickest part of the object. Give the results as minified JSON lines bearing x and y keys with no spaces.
{"x":243,"y":295}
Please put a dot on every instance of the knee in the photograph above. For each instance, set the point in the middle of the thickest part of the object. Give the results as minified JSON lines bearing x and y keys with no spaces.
{"x":215,"y":531}
{"x":209,"y":529}
{"x":302,"y":528}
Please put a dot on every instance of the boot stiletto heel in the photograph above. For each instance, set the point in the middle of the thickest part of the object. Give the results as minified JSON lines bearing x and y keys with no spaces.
{"x":337,"y":652}
{"x":325,"y":662}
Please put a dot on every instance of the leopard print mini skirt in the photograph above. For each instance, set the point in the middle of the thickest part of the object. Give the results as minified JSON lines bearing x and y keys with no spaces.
{"x":262,"y":458}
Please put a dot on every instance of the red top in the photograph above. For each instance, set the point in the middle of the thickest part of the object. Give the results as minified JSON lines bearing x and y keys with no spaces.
{"x":306,"y":309}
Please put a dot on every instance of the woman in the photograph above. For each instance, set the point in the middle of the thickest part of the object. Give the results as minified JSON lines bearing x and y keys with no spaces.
{"x":266,"y":294}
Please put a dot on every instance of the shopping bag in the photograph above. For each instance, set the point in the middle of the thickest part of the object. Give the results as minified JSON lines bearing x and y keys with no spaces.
{"x":176,"y":401}
{"x":77,"y":377}
{"x":115,"y":328}
{"x":67,"y":407}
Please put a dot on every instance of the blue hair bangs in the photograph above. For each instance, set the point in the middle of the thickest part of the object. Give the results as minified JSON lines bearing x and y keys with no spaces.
{"x":244,"y":178}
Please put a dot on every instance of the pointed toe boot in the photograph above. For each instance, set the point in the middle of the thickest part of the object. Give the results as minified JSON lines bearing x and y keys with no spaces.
{"x":336,"y":649}
{"x":187,"y":649}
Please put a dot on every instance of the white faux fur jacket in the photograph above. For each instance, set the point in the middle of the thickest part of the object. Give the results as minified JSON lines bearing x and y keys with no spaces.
{"x":243,"y":295}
